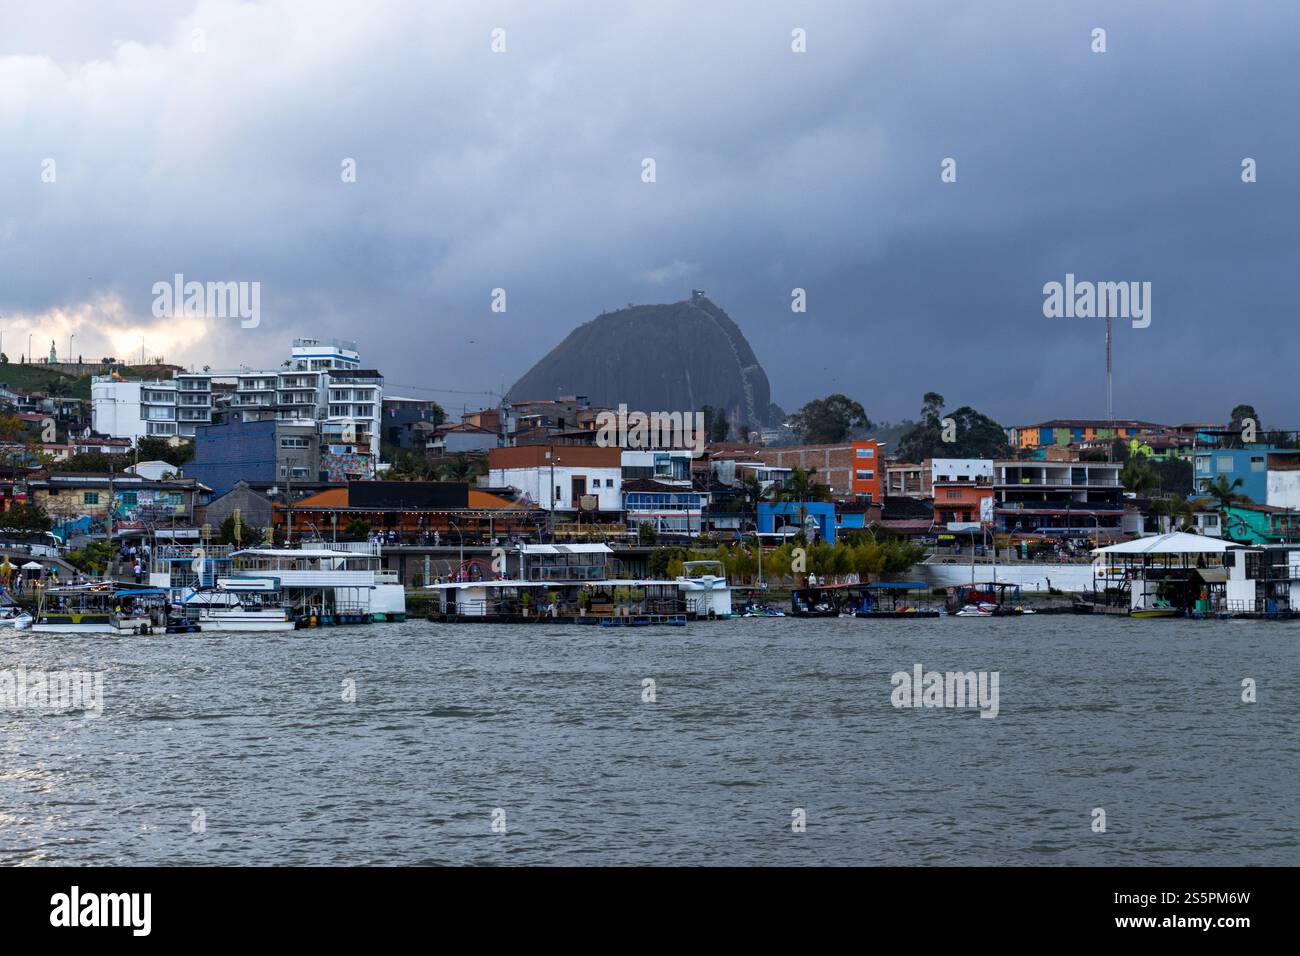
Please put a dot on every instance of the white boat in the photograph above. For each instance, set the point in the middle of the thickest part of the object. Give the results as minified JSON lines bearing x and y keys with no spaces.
{"x":704,"y":585}
{"x":239,"y":604}
{"x":333,"y":584}
{"x":15,"y":617}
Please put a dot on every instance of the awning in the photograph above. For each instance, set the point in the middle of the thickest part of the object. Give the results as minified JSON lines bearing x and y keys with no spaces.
{"x":1213,"y":575}
{"x":1172,"y":542}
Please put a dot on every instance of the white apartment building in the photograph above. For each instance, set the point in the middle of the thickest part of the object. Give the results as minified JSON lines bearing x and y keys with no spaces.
{"x":321,"y":382}
{"x":972,"y":470}
{"x":156,"y":409}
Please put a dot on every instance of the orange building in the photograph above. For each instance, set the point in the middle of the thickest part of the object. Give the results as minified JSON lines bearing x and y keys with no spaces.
{"x":960,"y":502}
{"x":867,"y":471}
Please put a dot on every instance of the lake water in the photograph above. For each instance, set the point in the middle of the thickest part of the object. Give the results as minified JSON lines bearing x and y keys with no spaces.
{"x":225,"y":749}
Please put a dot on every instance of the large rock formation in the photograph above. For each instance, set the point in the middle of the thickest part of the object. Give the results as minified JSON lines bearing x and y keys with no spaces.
{"x":676,"y":357}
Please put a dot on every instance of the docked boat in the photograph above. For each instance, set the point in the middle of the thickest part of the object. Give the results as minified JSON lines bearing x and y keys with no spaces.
{"x":610,"y":603}
{"x":877,"y":599}
{"x":327,"y":585}
{"x":105,"y":609}
{"x":240,"y":604}
{"x":991,"y":599}
{"x":1156,"y":609}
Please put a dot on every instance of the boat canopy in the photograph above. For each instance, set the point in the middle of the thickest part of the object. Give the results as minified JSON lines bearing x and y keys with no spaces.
{"x":566,"y":549}
{"x":1172,"y":542}
{"x":300,"y":553}
{"x":552,"y":585}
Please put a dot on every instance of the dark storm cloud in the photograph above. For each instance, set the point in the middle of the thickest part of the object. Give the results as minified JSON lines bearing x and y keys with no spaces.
{"x":775,"y":170}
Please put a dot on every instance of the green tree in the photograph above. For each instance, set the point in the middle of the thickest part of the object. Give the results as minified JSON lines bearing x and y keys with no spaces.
{"x":463,"y":467}
{"x":1139,"y":477}
{"x":26,"y":518}
{"x":826,"y":421}
{"x":1224,"y":493}
{"x":973,"y":434}
{"x":716,"y":425}
{"x":157,"y":449}
{"x":1237,"y":422}
{"x":1177,"y":510}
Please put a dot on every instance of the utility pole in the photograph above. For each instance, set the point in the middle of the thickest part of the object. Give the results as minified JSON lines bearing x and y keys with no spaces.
{"x":1110,"y":405}
{"x":288,"y":499}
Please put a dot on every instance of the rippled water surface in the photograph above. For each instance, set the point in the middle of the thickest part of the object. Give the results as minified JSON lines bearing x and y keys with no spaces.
{"x":752,"y":720}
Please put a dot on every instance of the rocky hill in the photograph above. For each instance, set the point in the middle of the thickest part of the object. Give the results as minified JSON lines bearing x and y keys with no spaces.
{"x":675,"y":357}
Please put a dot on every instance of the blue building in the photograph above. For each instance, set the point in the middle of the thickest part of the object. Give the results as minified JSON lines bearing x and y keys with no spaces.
{"x":775,"y":515}
{"x":1250,"y":464}
{"x":262,"y":453}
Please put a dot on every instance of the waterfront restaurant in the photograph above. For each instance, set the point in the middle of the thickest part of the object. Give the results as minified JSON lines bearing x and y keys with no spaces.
{"x":411,"y":509}
{"x":1184,"y":572}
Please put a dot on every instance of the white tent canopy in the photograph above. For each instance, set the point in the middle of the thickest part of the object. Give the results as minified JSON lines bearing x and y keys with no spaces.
{"x":1172,"y":542}
{"x":33,"y":566}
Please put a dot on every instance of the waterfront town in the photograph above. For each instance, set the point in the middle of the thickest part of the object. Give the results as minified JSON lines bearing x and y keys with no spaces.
{"x":167,"y":476}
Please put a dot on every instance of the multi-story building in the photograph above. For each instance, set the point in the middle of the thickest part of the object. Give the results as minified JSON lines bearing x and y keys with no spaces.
{"x":963,"y":492}
{"x":263,"y":453}
{"x":322,"y":383}
{"x":867,"y":479}
{"x":170,"y":408}
{"x":558,"y":477}
{"x":1267,"y":474}
{"x":904,"y":479}
{"x":1073,"y":431}
{"x":1047,"y":497}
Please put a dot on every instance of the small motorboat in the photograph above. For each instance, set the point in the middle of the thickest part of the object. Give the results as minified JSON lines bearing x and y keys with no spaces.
{"x":1158,"y":609}
{"x":982,"y":609}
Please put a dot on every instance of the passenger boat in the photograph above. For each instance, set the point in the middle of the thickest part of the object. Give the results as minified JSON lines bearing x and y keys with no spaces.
{"x":239,"y":604}
{"x":877,"y":599}
{"x":105,"y":609}
{"x":621,"y":602}
{"x":328,"y":585}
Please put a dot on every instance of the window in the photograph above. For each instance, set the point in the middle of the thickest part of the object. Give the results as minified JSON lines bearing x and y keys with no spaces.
{"x":1225,"y":463}
{"x":130,"y":499}
{"x":558,"y":495}
{"x":90,"y":498}
{"x":609,"y":482}
{"x":866,"y":453}
{"x":866,"y":474}
{"x":1256,"y":462}
{"x":952,"y":494}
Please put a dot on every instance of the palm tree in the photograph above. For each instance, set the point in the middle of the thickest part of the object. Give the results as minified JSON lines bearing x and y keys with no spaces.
{"x":1173,"y":508}
{"x":753,"y":493}
{"x":461,"y":467}
{"x":1223,"y":493}
{"x":801,"y":488}
{"x":1139,"y":477}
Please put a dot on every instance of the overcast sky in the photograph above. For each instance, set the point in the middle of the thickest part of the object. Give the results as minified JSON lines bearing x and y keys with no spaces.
{"x":522,"y":170}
